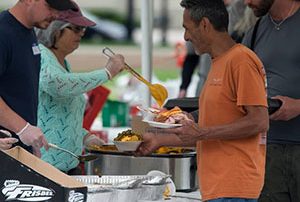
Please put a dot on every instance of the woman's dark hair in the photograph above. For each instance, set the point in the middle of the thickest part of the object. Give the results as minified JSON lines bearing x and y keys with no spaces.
{"x":214,"y":10}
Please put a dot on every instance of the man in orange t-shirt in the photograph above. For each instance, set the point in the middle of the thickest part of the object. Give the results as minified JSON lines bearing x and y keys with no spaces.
{"x":233,"y":116}
{"x":232,"y":163}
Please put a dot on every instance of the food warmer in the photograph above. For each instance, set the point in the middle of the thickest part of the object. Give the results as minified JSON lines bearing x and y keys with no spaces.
{"x":181,"y":166}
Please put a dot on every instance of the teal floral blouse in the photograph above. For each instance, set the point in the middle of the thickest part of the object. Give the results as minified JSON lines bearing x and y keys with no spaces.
{"x":61,"y":107}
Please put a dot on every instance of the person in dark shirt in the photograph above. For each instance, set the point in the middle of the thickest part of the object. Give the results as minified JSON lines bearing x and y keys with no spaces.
{"x":275,"y":39}
{"x":20,"y":67}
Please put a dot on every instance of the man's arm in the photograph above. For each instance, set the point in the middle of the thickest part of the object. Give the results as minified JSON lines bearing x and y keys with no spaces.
{"x":28,"y":134}
{"x":255,"y":121}
{"x":10,"y":119}
{"x":152,"y":141}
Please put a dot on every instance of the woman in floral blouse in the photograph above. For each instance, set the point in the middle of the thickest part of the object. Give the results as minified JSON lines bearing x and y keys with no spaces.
{"x":61,"y":101}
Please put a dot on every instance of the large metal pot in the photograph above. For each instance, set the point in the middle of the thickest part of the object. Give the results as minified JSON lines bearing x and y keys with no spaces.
{"x":182,"y":167}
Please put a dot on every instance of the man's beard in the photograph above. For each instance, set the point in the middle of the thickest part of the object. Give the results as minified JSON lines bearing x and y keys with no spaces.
{"x":263,"y":8}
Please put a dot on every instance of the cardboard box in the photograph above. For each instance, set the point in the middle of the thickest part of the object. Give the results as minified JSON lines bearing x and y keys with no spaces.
{"x":24,"y":177}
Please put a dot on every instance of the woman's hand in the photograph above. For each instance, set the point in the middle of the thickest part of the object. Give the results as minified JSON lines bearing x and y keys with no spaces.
{"x":115,"y":65}
{"x":91,"y":139}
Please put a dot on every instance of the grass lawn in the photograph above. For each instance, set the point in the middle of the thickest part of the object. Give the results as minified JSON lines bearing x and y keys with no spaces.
{"x":164,"y":74}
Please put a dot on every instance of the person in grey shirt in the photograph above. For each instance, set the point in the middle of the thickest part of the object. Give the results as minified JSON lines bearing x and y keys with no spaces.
{"x":276,"y":41}
{"x":191,"y":62}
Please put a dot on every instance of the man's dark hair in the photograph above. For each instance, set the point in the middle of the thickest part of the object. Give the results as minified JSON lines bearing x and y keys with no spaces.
{"x":214,"y":10}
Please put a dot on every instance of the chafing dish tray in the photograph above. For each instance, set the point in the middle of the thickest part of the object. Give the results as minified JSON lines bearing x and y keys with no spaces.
{"x":181,"y":166}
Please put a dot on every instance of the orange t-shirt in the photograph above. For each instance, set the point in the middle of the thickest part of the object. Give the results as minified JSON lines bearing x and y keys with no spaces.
{"x":231,"y":168}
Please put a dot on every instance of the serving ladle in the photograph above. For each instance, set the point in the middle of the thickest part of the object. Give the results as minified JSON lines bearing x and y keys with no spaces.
{"x":158,"y":91}
{"x":81,"y":158}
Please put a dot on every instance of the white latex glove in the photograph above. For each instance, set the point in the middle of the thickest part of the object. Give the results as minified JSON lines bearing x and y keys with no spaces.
{"x":33,"y":136}
{"x":6,"y":143}
{"x":114,"y":65}
{"x":92,"y":139}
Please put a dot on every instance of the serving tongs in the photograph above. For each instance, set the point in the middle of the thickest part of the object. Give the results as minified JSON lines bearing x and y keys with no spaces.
{"x":81,"y":158}
{"x":157,"y":180}
{"x":158,"y":91}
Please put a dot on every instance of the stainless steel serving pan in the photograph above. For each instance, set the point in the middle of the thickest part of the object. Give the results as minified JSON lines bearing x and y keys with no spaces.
{"x":181,"y":166}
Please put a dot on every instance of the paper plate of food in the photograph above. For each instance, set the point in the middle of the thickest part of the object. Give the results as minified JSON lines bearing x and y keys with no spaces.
{"x":167,"y":118}
{"x":162,"y":125}
{"x":128,"y":141}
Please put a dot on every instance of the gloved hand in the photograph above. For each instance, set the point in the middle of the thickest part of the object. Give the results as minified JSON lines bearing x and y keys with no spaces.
{"x":6,"y":143}
{"x":91,"y":139}
{"x":33,"y":136}
{"x":114,"y":65}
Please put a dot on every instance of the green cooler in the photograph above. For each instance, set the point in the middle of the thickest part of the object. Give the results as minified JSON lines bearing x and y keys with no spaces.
{"x":115,"y":114}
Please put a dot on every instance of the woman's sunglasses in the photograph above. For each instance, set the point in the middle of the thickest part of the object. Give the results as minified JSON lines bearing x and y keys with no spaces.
{"x":77,"y":29}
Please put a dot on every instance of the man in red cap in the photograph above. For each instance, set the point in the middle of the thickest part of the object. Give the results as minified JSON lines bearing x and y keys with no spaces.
{"x":20,"y":67}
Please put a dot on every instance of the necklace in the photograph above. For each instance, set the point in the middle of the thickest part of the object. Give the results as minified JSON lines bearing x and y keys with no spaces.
{"x":277,"y":25}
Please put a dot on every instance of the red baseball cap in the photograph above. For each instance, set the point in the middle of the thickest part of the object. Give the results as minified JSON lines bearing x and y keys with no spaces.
{"x":62,"y":5}
{"x":75,"y":17}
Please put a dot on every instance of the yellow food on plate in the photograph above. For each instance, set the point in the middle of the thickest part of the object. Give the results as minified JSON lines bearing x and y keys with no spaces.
{"x":128,"y":135}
